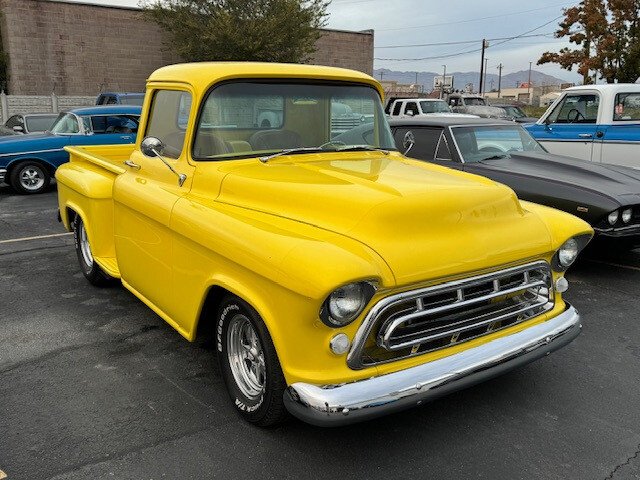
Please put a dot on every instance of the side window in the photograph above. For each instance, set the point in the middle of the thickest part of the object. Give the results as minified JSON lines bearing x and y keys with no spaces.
{"x":14,"y":121}
{"x":396,"y":108}
{"x":627,"y":107}
{"x":442,"y":150}
{"x":426,"y":141}
{"x":411,"y":107}
{"x":168,"y":118}
{"x":576,"y":108}
{"x":118,"y":124}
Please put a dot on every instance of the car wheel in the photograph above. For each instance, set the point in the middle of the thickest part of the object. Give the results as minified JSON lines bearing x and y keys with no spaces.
{"x":29,"y":177}
{"x":249,"y":363}
{"x":91,"y":270}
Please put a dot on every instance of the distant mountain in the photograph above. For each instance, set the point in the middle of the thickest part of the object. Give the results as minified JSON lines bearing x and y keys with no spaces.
{"x":461,"y":79}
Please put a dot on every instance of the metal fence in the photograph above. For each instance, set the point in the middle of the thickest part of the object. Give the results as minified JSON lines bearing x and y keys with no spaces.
{"x":13,"y":104}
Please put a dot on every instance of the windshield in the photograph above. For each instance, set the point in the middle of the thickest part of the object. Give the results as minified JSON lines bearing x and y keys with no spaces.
{"x":132,"y":99}
{"x":248,"y":119}
{"x":439,"y":106}
{"x":39,"y":123}
{"x":514,"y":112}
{"x":65,"y":124}
{"x":474,"y":101}
{"x":477,"y":143}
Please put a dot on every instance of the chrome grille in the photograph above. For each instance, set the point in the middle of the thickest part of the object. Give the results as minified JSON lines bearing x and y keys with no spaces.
{"x":428,"y":319}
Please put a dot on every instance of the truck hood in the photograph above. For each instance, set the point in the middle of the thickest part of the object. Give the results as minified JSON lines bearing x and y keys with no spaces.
{"x":425,"y":221}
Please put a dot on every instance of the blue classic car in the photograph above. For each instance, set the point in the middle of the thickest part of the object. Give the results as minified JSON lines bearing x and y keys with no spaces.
{"x":28,"y":162}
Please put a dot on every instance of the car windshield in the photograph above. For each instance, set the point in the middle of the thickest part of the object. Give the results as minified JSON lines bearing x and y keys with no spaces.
{"x":514,"y":112}
{"x":474,"y":101}
{"x":39,"y":123}
{"x":65,"y":124}
{"x":248,"y":119}
{"x":439,"y":106}
{"x":488,"y":142}
{"x":132,"y":100}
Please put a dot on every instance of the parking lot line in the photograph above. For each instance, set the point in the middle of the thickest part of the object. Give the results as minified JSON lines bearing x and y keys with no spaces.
{"x":41,"y":237}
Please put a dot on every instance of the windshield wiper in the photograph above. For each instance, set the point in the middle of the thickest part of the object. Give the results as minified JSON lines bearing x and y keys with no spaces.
{"x":321,"y":148}
{"x":288,"y":151}
{"x":350,"y":148}
{"x":497,"y":157}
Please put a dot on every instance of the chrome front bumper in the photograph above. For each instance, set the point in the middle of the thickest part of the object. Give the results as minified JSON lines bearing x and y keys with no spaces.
{"x":336,"y":405}
{"x":3,"y":173}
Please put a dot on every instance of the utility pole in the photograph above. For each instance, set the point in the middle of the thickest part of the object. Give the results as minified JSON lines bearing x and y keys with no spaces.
{"x":444,"y":75}
{"x":499,"y":79}
{"x":529,"y":85}
{"x":484,"y":80}
{"x":485,"y":44}
{"x":381,"y":74}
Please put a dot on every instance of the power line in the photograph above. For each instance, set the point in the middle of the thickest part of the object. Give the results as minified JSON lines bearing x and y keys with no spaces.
{"x":461,"y":42}
{"x":468,"y":20}
{"x":466,"y":52}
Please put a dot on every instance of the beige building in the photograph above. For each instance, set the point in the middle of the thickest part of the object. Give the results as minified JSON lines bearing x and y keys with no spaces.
{"x":75,"y":48}
{"x":530,"y":96}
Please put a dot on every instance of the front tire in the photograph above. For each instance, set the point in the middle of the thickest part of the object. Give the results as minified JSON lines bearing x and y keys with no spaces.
{"x":249,"y":363}
{"x":29,"y":177}
{"x":91,"y":270}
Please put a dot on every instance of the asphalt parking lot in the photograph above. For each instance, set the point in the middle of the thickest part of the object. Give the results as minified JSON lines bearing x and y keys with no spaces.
{"x":93,"y":385}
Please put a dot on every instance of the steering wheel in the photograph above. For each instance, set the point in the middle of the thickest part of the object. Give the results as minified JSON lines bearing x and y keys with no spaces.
{"x":491,"y":149}
{"x":332,"y":143}
{"x":576,"y":116}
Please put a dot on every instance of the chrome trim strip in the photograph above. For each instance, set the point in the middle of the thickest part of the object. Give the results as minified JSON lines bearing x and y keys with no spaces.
{"x":354,"y":358}
{"x":587,"y":140}
{"x":16,"y":154}
{"x":3,"y":173}
{"x":336,"y":405}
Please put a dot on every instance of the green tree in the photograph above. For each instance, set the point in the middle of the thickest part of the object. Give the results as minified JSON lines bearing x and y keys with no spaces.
{"x":245,"y":30}
{"x":606,"y":36}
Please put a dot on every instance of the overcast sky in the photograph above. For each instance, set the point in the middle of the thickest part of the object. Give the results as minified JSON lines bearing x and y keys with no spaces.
{"x":410,"y":22}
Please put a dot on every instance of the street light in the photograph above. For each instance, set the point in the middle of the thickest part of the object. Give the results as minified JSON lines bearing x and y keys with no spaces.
{"x":444,"y":76}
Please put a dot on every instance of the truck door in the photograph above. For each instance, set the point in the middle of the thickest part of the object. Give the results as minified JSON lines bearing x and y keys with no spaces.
{"x":617,"y":141}
{"x":144,"y":197}
{"x":571,"y":127}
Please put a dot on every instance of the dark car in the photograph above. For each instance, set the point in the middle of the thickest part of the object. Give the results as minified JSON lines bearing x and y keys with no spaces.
{"x":515,"y":112}
{"x":606,"y":196}
{"x":30,"y":122}
{"x":120,"y":98}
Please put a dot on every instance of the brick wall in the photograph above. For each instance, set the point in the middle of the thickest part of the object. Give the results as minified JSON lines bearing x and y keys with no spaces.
{"x":81,"y":49}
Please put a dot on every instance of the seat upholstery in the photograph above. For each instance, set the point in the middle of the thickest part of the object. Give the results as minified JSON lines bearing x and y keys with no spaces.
{"x":275,"y":140}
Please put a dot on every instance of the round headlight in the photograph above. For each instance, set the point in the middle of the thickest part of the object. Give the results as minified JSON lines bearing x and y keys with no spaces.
{"x":568,"y":252}
{"x":613,"y":218}
{"x":626,"y":215}
{"x":346,"y":303}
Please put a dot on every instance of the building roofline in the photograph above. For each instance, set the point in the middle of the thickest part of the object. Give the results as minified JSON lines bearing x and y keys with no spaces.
{"x":138,"y":9}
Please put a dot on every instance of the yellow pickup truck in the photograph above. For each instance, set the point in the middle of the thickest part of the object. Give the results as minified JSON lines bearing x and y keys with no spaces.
{"x":341,"y":280}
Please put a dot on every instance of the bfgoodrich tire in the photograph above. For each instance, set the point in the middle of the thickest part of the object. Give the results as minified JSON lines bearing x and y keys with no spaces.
{"x":29,"y":177}
{"x":249,"y":363}
{"x":91,"y":270}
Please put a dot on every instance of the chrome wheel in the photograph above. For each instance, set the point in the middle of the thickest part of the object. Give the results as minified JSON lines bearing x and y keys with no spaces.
{"x":246,"y":357}
{"x":32,"y":177}
{"x":85,"y":248}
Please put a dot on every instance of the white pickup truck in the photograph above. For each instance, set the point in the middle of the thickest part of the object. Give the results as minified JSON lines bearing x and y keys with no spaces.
{"x":600,"y":123}
{"x":420,"y":107}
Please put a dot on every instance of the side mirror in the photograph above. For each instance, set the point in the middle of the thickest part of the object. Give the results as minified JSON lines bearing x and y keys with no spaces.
{"x":411,"y":113}
{"x":408,"y":141}
{"x":18,"y":128}
{"x":152,"y":147}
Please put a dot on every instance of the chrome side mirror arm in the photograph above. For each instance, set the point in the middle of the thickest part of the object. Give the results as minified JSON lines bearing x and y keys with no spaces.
{"x":153,"y":147}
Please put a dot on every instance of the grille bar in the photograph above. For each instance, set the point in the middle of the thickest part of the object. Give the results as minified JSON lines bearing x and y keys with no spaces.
{"x":419,"y":321}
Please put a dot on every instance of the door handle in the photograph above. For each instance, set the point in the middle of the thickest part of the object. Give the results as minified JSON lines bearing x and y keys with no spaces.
{"x":126,"y":138}
{"x":129,"y":163}
{"x":585,"y":135}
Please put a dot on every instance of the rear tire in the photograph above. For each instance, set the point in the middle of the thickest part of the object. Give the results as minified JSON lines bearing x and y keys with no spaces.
{"x":91,"y":270}
{"x":29,"y":177}
{"x":249,"y":363}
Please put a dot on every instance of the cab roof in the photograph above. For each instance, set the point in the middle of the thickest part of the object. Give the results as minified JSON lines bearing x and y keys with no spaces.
{"x":202,"y":75}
